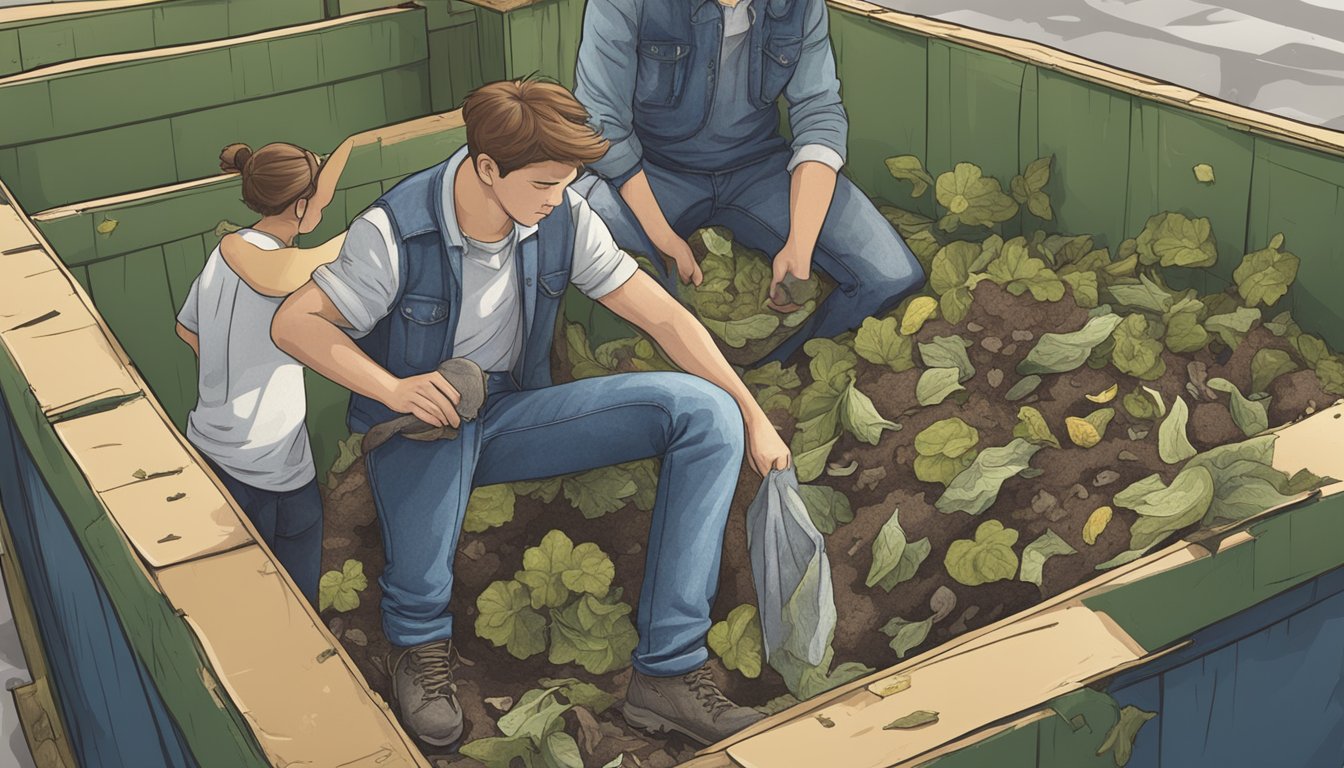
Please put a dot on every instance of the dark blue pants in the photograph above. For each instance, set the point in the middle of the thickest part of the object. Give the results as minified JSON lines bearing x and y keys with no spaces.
{"x":290,"y":522}
{"x":872,"y":266}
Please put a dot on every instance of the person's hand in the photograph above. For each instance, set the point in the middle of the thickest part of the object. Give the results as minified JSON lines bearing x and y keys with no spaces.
{"x":677,"y":249}
{"x":765,"y":448}
{"x":791,"y":260}
{"x":429,"y":397}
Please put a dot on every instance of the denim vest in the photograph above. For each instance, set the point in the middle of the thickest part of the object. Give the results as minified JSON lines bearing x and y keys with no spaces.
{"x":418,"y":333}
{"x":679,"y":44}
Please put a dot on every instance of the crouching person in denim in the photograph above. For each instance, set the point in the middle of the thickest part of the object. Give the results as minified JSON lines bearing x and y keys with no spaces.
{"x":470,"y":259}
{"x":686,"y":93}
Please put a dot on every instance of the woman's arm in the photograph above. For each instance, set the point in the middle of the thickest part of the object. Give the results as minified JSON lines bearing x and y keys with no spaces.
{"x":276,"y":272}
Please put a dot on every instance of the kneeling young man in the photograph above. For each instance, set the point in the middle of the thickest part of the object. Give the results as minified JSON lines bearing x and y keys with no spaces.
{"x":470,"y":259}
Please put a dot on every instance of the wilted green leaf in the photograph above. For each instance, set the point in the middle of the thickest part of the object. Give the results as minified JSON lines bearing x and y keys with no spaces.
{"x":544,"y":491}
{"x":1040,"y":550}
{"x":955,"y":304}
{"x":543,"y":569}
{"x":826,"y":506}
{"x":906,"y":634}
{"x":921,"y":308}
{"x":1268,"y":365}
{"x":1136,"y":352}
{"x":807,"y":680}
{"x":1173,"y":445}
{"x":1146,"y":295}
{"x":910,"y":168}
{"x":773,"y":374}
{"x":987,"y":558}
{"x":506,"y":619}
{"x":501,"y":751}
{"x":1031,"y":426}
{"x":340,"y":589}
{"x":595,"y":634}
{"x":830,"y":362}
{"x":1017,"y":271}
{"x":860,"y":417}
{"x":881,"y":343}
{"x":908,"y":222}
{"x":348,"y":450}
{"x":811,"y":445}
{"x":1184,"y":333}
{"x":1061,"y":352}
{"x":971,"y":198}
{"x":715,"y":243}
{"x":1233,"y":326}
{"x":912,"y":720}
{"x":1120,"y":739}
{"x":1084,"y":286}
{"x":1264,"y":276}
{"x":490,"y":506}
{"x":940,"y":469}
{"x":949,"y":437}
{"x":1166,"y":509}
{"x":738,"y":641}
{"x":645,"y":474}
{"x":894,"y":559}
{"x":974,"y":490}
{"x":935,"y":384}
{"x":1025,"y":386}
{"x":1028,"y":189}
{"x":600,"y":491}
{"x":583,"y":364}
{"x":1251,"y":416}
{"x":1330,"y":371}
{"x":1172,"y":240}
{"x":1144,"y":403}
{"x":581,"y":694}
{"x":736,"y":333}
{"x":947,"y":352}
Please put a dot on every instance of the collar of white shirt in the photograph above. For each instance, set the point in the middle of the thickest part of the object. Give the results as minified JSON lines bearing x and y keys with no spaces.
{"x":452,"y":231}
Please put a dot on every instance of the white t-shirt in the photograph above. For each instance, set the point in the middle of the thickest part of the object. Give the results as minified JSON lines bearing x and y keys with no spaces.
{"x":362,"y":282}
{"x":249,"y":415}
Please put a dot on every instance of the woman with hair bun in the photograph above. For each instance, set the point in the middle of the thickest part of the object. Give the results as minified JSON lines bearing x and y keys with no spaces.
{"x":248,"y":422}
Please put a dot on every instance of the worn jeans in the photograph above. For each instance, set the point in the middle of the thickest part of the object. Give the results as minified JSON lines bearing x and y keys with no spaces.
{"x":858,"y":248}
{"x":421,"y":491}
{"x":290,"y":522}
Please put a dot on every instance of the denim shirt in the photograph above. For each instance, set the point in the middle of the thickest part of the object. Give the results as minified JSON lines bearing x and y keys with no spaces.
{"x":664,"y":106}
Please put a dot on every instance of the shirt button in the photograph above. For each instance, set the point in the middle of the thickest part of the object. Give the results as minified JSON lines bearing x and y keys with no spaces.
{"x":529,"y":281}
{"x":655,"y":49}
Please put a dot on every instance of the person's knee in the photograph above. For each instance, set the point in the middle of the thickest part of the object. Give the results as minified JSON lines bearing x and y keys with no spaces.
{"x":711,"y":410}
{"x":895,"y":275}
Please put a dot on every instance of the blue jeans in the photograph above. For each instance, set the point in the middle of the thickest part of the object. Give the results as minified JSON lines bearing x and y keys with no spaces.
{"x":421,"y":490}
{"x":290,"y":522}
{"x":858,"y":248}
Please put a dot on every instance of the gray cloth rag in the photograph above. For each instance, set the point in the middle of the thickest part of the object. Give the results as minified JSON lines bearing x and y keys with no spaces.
{"x":791,"y":571}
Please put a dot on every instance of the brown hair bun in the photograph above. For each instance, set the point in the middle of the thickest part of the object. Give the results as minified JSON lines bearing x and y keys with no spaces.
{"x":234,"y":157}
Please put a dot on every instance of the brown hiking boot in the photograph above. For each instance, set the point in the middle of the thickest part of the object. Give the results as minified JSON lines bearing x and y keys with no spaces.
{"x":426,"y":694}
{"x":690,"y":704}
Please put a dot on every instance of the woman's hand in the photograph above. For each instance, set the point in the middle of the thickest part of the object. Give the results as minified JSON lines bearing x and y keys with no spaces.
{"x":765,"y":448}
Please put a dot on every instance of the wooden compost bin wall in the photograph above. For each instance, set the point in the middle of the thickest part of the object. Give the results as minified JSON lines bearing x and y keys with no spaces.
{"x":60,"y":33}
{"x":102,"y":129}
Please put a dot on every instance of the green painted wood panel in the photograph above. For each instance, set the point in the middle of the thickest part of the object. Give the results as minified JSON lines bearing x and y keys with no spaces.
{"x":10,"y":60}
{"x":215,"y":731}
{"x":1297,"y":193}
{"x":406,"y":93}
{"x":60,"y":171}
{"x":490,"y":38}
{"x":543,"y":39}
{"x":976,"y":95}
{"x":1014,"y":748}
{"x":1086,"y":128}
{"x":135,"y":298}
{"x":886,"y":114}
{"x":182,"y":262}
{"x":457,"y":65}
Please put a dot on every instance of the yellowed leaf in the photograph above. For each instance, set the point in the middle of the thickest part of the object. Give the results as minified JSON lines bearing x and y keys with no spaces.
{"x":106,"y":226}
{"x":921,"y":309}
{"x":1204,"y":173}
{"x":1081,"y":432}
{"x":1096,"y":523}
{"x":1106,"y":395}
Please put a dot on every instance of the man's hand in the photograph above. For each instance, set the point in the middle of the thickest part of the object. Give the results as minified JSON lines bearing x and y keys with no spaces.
{"x":429,"y":397}
{"x":688,"y":269}
{"x":791,"y":260}
{"x":765,"y":448}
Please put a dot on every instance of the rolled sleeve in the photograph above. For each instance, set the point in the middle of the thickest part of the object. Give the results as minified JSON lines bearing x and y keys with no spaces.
{"x":816,"y":115}
{"x":605,"y":85}
{"x":599,"y":266}
{"x":362,"y":282}
{"x":819,"y":153}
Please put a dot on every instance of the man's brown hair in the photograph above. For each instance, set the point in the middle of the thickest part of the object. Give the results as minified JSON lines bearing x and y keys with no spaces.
{"x":521,"y":122}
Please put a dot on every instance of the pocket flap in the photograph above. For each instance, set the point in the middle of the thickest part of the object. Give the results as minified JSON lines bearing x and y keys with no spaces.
{"x":784,"y":50}
{"x":662,"y":50}
{"x":424,"y":310}
{"x":553,"y":284}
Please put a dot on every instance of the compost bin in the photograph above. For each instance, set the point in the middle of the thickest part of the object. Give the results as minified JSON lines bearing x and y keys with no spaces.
{"x":159,"y":631}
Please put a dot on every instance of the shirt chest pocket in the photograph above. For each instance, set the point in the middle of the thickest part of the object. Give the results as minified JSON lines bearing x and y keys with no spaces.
{"x":779,"y":59}
{"x":661,"y":76}
{"x":553,"y":284}
{"x":424,"y":323}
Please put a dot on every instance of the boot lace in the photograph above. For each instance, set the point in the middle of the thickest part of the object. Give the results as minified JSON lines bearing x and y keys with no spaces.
{"x":707,"y":692}
{"x":432,"y":668}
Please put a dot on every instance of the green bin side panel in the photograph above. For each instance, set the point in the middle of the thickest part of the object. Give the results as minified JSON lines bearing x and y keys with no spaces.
{"x":1086,"y":128}
{"x":182,"y":261}
{"x":1013,"y":748}
{"x":10,"y":60}
{"x":1165,"y":146}
{"x":456,"y":65}
{"x":886,"y":114}
{"x":543,"y":39}
{"x":1301,"y":194}
{"x":974,"y":100}
{"x":62,"y":171}
{"x":493,"y":46}
{"x":135,"y":299}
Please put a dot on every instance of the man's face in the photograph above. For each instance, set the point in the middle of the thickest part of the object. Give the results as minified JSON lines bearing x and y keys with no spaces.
{"x":529,"y":193}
